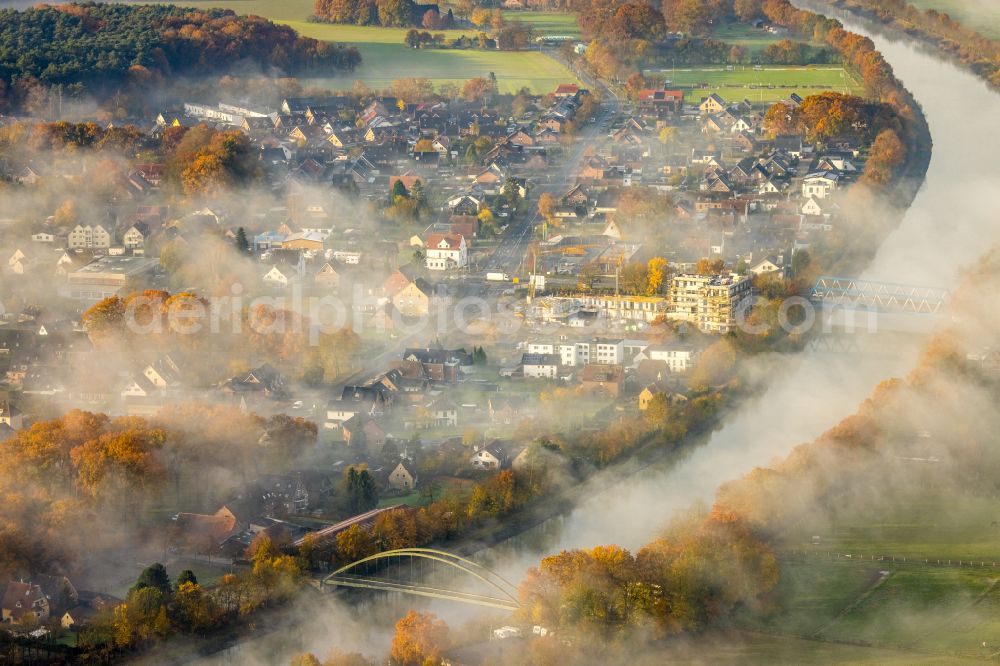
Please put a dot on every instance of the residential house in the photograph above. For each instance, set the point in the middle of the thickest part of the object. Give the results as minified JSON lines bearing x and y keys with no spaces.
{"x":678,"y":358}
{"x":403,"y":476}
{"x":494,"y":456}
{"x":443,"y":412}
{"x":712,"y":104}
{"x":604,"y":380}
{"x":280,"y":276}
{"x":768,"y":265}
{"x":10,"y":415}
{"x":362,"y":432}
{"x":446,"y":252}
{"x":541,"y":366}
{"x":369,"y":401}
{"x":263,"y":380}
{"x":440,"y":365}
{"x":327,"y":277}
{"x":661,"y":102}
{"x":504,"y":410}
{"x":21,"y":599}
{"x":812,"y":206}
{"x":135,"y":236}
{"x":414,"y":299}
{"x":465,"y":204}
{"x":88,"y":237}
{"x":820,"y":184}
{"x":651,"y":391}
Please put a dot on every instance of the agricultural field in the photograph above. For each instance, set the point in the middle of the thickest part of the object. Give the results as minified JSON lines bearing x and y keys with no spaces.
{"x":948,"y":610}
{"x":933,"y":585}
{"x":980,"y":15}
{"x":385,"y":58}
{"x":547,"y":23}
{"x":913,"y":524}
{"x":761,"y":649}
{"x":766,"y":84}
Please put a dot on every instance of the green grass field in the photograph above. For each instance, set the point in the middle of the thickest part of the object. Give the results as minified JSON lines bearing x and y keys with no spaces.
{"x":921,"y":515}
{"x":916,"y":526}
{"x":547,"y":23}
{"x":385,"y":58}
{"x":754,"y":39}
{"x":980,"y":15}
{"x":753,"y":649}
{"x":935,"y":610}
{"x":768,"y":84}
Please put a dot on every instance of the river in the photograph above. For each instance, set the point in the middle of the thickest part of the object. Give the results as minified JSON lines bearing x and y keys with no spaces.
{"x":950,"y":223}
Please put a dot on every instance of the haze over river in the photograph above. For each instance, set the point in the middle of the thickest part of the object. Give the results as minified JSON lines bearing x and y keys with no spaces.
{"x":951,"y":223}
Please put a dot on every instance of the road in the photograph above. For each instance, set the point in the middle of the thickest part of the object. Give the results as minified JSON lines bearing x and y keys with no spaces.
{"x":508,"y":255}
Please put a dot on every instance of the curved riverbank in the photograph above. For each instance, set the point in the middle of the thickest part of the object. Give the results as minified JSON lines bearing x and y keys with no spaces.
{"x":944,"y":230}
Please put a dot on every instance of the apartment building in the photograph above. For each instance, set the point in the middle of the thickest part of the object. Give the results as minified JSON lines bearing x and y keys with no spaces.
{"x":712,"y":302}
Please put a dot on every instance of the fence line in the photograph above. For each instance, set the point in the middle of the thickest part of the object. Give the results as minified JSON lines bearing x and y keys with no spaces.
{"x":977,"y":563}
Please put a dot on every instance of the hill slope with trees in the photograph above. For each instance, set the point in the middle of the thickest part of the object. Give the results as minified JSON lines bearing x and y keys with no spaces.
{"x":98,"y":47}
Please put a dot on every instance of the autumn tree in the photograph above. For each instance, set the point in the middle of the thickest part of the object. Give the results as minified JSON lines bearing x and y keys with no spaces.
{"x":194,"y":609}
{"x":747,"y":10}
{"x":547,"y":203}
{"x":419,"y":637}
{"x":477,"y":89}
{"x":105,"y":319}
{"x":706,"y":266}
{"x":886,"y":155}
{"x":355,"y":543}
{"x":656,"y":273}
{"x":714,"y":366}
{"x":67,"y":214}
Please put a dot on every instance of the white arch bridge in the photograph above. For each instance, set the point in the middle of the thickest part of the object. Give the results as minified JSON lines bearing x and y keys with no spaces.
{"x":364,"y":574}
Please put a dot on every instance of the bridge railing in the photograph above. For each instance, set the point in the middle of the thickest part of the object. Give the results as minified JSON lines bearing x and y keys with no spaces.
{"x":506,"y":592}
{"x":884,"y":296}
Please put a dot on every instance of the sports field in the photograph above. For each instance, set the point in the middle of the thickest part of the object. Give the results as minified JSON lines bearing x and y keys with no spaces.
{"x":767,"y":84}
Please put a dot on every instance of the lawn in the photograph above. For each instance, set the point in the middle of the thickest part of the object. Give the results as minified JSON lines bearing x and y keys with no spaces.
{"x":980,"y":15}
{"x":754,"y":39}
{"x":410,"y":499}
{"x":767,"y":84}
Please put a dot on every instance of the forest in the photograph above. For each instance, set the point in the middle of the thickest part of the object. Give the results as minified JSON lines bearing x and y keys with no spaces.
{"x":96,"y":47}
{"x":386,"y":13}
